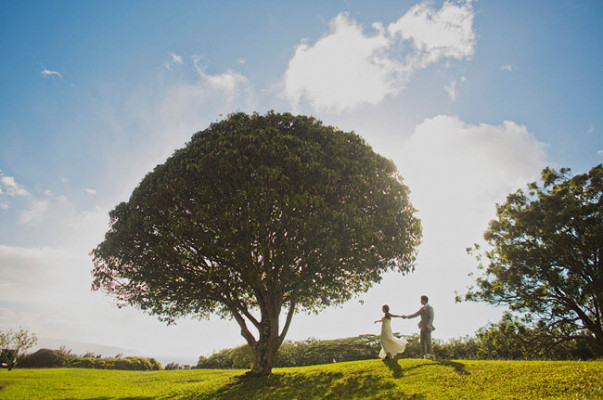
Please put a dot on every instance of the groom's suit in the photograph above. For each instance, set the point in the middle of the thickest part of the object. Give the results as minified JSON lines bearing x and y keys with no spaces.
{"x":426,"y":326}
{"x":426,"y":313}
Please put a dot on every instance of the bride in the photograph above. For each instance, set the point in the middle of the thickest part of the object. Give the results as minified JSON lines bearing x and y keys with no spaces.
{"x":390,"y":345}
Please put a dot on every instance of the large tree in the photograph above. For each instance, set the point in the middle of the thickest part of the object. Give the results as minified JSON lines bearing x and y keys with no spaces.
{"x":545,"y":255}
{"x":257,"y":215}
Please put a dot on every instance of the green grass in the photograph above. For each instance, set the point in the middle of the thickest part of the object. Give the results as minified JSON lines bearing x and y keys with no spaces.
{"x":362,"y":380}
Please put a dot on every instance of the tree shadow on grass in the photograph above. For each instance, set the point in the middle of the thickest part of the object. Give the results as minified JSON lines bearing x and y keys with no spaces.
{"x":398,"y":371}
{"x":118,"y":398}
{"x":459,"y":368}
{"x":95,"y":398}
{"x":313,"y":386}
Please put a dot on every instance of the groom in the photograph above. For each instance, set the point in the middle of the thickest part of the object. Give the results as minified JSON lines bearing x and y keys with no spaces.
{"x":426,"y":326}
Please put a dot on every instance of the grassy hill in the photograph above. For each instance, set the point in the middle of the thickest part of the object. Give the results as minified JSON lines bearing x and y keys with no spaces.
{"x":370,"y":380}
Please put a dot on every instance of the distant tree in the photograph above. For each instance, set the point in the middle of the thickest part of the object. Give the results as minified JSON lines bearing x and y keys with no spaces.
{"x":255,"y":215}
{"x":546,"y":255}
{"x":463,"y":348}
{"x":172,"y":366}
{"x":218,"y":360}
{"x":13,"y":343}
{"x":508,"y":339}
{"x":291,"y":353}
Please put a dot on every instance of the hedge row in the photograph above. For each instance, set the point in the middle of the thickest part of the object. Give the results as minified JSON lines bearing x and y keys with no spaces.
{"x":47,"y":358}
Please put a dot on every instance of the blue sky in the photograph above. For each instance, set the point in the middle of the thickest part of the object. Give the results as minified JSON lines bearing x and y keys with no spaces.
{"x":470,"y":99}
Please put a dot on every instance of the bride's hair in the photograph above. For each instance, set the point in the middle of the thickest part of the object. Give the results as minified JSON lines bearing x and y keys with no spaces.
{"x":385,"y":308}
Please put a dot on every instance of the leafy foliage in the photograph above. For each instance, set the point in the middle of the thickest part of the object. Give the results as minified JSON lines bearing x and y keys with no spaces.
{"x":546,"y":256}
{"x":258,"y":214}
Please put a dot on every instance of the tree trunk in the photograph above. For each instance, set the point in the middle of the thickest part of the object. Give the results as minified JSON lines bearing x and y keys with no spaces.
{"x":266,"y":348}
{"x":264,"y":356}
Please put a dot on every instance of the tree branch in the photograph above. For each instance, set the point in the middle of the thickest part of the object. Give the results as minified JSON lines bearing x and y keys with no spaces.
{"x":244,"y":330}
{"x":290,"y":313}
{"x":249,"y":316}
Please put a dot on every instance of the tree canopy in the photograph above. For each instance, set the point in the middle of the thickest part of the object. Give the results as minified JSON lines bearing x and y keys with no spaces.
{"x":545,"y":256}
{"x":257,"y":214}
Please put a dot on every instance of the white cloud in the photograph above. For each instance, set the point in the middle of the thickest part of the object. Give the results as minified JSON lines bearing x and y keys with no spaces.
{"x":506,"y":68}
{"x":173,"y":59}
{"x":445,"y":33}
{"x":458,"y":171}
{"x":591,"y":129}
{"x":343,"y":69}
{"x":36,"y":211}
{"x":347,"y":67}
{"x":600,"y":152}
{"x":35,"y":207}
{"x":46,"y":73}
{"x":230,"y":83}
{"x":451,"y":89}
{"x":90,"y":191}
{"x":10,"y":187}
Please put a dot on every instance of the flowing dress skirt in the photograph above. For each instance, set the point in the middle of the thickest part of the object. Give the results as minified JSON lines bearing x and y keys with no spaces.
{"x":390,"y":345}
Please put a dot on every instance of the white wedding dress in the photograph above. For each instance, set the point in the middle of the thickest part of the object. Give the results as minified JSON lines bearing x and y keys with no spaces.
{"x":389,"y":343}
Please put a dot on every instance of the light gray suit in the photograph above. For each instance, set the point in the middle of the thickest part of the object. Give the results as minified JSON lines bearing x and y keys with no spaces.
{"x":426,"y":326}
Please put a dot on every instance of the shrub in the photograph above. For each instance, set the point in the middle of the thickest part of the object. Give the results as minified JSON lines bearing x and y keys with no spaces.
{"x":46,"y":358}
{"x":86,"y":362}
{"x":133,"y":364}
{"x":89,"y":362}
{"x":155,"y":365}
